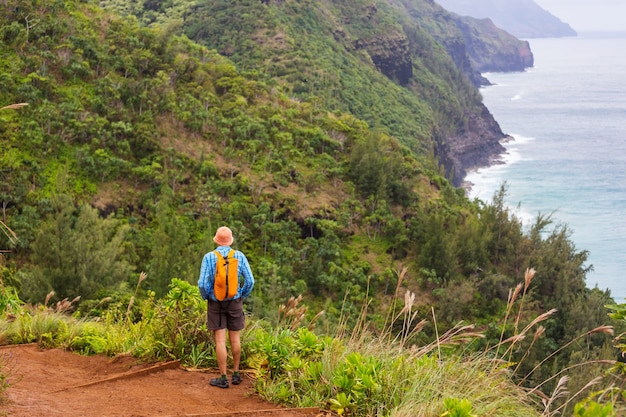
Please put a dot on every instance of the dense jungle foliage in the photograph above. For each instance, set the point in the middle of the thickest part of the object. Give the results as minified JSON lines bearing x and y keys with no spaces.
{"x":136,"y":143}
{"x":324,"y":52}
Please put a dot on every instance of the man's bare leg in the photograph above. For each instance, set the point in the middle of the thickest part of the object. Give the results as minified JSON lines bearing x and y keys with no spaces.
{"x":220,"y":350}
{"x":235,"y":348}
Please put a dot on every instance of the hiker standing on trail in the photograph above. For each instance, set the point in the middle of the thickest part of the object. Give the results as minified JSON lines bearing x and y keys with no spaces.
{"x":219,"y":283}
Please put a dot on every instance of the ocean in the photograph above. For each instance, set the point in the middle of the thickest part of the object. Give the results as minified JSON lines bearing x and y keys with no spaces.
{"x":567,"y":115}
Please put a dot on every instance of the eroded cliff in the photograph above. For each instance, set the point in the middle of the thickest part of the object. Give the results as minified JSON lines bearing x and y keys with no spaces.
{"x":491,"y":49}
{"x":477,"y":145}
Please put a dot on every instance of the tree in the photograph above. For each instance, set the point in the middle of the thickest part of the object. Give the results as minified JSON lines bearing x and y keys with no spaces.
{"x":168,"y":241}
{"x":76,"y":253}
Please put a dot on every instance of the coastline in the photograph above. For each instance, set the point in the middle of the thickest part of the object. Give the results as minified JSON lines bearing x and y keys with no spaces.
{"x":493,"y":161}
{"x":568,"y":162}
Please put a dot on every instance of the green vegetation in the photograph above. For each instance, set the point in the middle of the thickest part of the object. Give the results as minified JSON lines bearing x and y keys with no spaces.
{"x":137,"y":143}
{"x":355,"y":372}
{"x":324,"y":52}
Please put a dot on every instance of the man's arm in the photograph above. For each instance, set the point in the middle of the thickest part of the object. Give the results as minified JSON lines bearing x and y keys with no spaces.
{"x":248,"y":278}
{"x":207,"y":275}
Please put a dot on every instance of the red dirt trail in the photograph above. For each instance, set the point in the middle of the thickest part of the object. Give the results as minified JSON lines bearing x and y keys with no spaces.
{"x":55,"y":383}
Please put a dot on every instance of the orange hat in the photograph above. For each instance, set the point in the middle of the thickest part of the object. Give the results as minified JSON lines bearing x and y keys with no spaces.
{"x":223,"y":236}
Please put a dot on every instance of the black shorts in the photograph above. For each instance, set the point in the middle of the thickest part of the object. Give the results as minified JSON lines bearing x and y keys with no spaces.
{"x":225,"y":315}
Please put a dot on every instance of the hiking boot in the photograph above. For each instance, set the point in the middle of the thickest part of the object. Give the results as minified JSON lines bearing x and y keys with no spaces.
{"x":219,"y":382}
{"x":236,"y":379}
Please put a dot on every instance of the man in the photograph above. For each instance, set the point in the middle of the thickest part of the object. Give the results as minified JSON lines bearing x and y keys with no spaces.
{"x":226,"y":314}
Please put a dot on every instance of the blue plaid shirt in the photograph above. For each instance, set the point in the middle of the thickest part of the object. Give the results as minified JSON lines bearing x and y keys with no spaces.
{"x":207,"y":274}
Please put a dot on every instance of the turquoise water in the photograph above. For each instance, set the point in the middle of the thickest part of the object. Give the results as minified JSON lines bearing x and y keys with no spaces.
{"x":568,"y":159}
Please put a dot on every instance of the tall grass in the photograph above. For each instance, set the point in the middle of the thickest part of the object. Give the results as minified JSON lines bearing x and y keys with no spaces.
{"x":355,"y":372}
{"x":362,"y":373}
{"x":149,"y":329}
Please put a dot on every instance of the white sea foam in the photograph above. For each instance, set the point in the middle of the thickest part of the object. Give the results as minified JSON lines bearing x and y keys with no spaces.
{"x":514,"y":149}
{"x":483,"y":182}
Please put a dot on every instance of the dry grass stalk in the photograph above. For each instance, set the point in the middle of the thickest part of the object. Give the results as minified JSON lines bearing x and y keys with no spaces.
{"x":521,"y":288}
{"x":401,"y":273}
{"x":293,"y":315}
{"x":603,"y":329}
{"x":518,"y":336}
{"x":600,"y":329}
{"x":589,"y":384}
{"x":14,"y":106}
{"x":607,"y":362}
{"x":419,"y":327}
{"x":130,"y":306}
{"x":521,"y":335}
{"x":560,"y":391}
{"x":10,"y":234}
{"x":342,"y":325}
{"x":48,"y":297}
{"x":528,"y":278}
{"x":409,"y":300}
{"x":513,"y":294}
{"x":514,"y":339}
{"x":464,"y":338}
{"x":314,"y":319}
{"x":65,"y":305}
{"x":512,"y":297}
{"x":142,"y":277}
{"x":538,"y":333}
{"x":105,"y":300}
{"x":459,"y":334}
{"x":432,"y":311}
{"x":359,"y":332}
{"x":539,"y":319}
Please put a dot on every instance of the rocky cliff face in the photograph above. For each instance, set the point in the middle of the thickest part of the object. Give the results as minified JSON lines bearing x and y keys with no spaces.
{"x":458,"y":51}
{"x":492,"y":49}
{"x":486,"y":48}
{"x":390,"y":54}
{"x":474,"y":46}
{"x":480,"y":46}
{"x":477,"y":145}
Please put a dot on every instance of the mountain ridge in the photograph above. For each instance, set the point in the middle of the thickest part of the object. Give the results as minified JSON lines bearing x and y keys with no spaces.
{"x":394,"y":39}
{"x":522,"y":18}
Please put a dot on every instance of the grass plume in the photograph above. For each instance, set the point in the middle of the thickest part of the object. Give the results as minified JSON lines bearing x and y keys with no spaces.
{"x":14,"y":106}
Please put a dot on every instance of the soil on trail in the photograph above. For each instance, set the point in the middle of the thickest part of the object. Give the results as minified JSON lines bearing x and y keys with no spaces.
{"x":59,"y":383}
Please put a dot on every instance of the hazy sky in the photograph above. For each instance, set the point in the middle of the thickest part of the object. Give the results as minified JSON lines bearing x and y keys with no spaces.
{"x":588,"y":15}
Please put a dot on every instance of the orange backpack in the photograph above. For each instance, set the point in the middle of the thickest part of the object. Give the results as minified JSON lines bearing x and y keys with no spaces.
{"x":226,"y":276}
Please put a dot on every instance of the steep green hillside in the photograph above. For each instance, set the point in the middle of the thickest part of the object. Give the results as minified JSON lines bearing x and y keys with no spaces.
{"x":137,"y":143}
{"x":171,"y":140}
{"x":377,"y":61}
